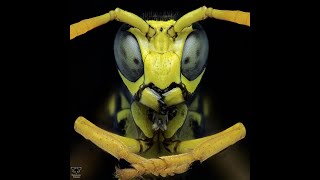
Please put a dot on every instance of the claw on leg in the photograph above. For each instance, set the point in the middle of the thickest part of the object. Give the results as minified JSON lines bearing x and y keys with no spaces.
{"x":125,"y":148}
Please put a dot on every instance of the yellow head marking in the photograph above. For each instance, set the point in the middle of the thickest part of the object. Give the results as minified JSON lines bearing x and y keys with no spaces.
{"x":162,"y":69}
{"x":162,"y":57}
{"x":132,"y":86}
{"x":161,"y":54}
{"x":192,"y":85}
{"x":161,"y":43}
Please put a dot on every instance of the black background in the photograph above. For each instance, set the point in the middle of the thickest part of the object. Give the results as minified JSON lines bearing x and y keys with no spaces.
{"x":92,"y":75}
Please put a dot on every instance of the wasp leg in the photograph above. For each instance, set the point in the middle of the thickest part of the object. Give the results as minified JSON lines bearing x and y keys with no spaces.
{"x":123,"y":114}
{"x":117,"y":146}
{"x":203,"y":148}
{"x":199,"y":149}
{"x":125,"y":148}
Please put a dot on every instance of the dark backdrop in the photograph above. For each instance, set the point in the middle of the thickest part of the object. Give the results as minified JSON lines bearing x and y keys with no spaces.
{"x":228,"y":80}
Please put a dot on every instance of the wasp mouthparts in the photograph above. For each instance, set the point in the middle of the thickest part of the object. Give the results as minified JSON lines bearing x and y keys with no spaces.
{"x":160,"y":121}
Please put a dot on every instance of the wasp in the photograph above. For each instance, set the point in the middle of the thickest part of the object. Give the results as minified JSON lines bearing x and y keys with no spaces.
{"x":159,"y":113}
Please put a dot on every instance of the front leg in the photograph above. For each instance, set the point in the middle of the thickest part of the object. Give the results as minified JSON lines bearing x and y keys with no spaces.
{"x":125,"y":148}
{"x":192,"y":150}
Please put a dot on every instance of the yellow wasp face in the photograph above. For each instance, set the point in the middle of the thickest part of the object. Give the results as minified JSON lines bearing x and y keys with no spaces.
{"x":161,"y":63}
{"x":161,"y":71}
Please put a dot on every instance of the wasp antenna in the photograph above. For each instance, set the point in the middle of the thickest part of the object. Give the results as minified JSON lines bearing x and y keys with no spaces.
{"x":202,"y":13}
{"x":237,"y":16}
{"x":118,"y":14}
{"x":86,"y":25}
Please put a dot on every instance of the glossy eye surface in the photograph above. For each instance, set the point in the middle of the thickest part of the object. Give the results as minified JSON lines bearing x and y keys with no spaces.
{"x":195,"y":53}
{"x":128,"y":55}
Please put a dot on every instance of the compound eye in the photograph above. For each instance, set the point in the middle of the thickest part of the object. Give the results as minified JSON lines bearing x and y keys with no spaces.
{"x":128,"y":55}
{"x":195,"y":53}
